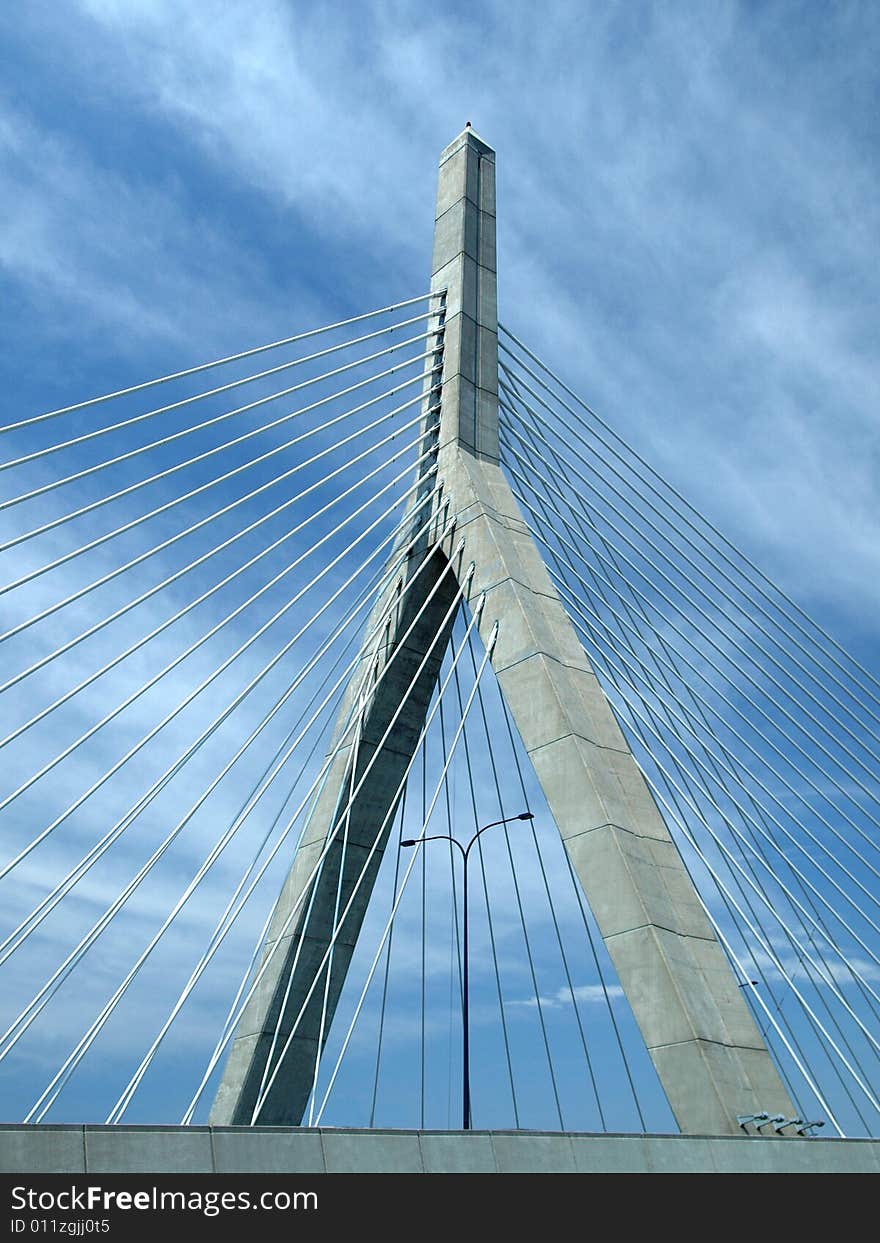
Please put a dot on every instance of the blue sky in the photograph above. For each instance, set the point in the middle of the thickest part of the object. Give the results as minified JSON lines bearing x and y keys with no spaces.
{"x":688,"y":218}
{"x":687,"y":221}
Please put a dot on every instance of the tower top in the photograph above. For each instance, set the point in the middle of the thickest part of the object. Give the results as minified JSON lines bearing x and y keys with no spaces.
{"x":463,"y":266}
{"x":468,"y":137}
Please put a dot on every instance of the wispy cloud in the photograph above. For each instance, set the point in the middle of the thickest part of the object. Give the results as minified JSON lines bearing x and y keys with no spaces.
{"x":715,"y":220}
{"x":587,"y":994}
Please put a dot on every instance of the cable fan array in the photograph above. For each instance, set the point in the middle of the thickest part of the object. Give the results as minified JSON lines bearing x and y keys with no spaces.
{"x":756,"y":731}
{"x":180,"y":609}
{"x":183,"y":611}
{"x":192,"y":593}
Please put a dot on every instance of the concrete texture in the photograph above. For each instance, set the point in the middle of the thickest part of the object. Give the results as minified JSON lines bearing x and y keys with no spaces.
{"x":363,"y":1152}
{"x":708,"y":1052}
{"x":267,"y":1150}
{"x":149,"y":1150}
{"x":42,"y":1149}
{"x":463,"y":263}
{"x":270,"y":1150}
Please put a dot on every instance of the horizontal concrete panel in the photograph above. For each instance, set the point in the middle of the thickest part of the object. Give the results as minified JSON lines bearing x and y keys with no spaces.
{"x":455,"y":233}
{"x":42,"y":1149}
{"x":526,"y":1152}
{"x":443,"y":1153}
{"x":149,"y":1150}
{"x":372,"y":1152}
{"x":636,"y":889}
{"x":793,"y":1156}
{"x":123,"y":1149}
{"x":457,"y":177}
{"x":617,"y":1154}
{"x":267,"y":1150}
{"x":554,"y":701}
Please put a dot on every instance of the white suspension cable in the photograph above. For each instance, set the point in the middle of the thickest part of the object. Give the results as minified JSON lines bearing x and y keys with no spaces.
{"x":744,"y":672}
{"x":776,"y":749}
{"x":195,"y":427}
{"x":535,"y":418}
{"x":212,"y":677}
{"x":742,"y":630}
{"x":765,"y":944}
{"x":489,"y":920}
{"x":579,"y":896}
{"x":782,"y":828}
{"x":110,"y":913}
{"x":688,"y":778}
{"x":704,"y":723}
{"x":144,"y":800}
{"x":546,"y":886}
{"x":269,"y":1073}
{"x":717,"y":551}
{"x":355,"y":717}
{"x":47,"y":904}
{"x":334,"y":927}
{"x":828,"y":977}
{"x":804,"y":1070}
{"x":87,"y":941}
{"x":218,"y":362}
{"x":110,"y":1006}
{"x":766,"y":865}
{"x":202,"y":522}
{"x":576,"y":605}
{"x":394,"y":888}
{"x":205,"y":595}
{"x":238,"y":1006}
{"x":679,"y":819}
{"x":203,"y":456}
{"x":777,"y":962}
{"x":763,"y":760}
{"x":51,"y":1093}
{"x":781,"y":709}
{"x":530,"y":957}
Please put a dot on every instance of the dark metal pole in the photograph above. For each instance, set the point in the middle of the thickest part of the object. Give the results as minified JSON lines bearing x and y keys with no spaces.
{"x":465,"y":1000}
{"x":465,"y":1017}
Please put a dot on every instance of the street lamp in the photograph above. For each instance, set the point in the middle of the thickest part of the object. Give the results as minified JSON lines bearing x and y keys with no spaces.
{"x":465,"y":851}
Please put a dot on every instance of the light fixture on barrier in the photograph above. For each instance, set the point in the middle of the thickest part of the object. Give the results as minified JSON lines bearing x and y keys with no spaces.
{"x":777,"y":1118}
{"x":746,"y":1120}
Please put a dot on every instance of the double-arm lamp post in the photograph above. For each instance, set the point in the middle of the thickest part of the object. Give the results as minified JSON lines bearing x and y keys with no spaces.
{"x":465,"y":851}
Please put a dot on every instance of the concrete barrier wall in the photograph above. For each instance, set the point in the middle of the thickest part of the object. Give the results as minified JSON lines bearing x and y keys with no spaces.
{"x":284,"y":1150}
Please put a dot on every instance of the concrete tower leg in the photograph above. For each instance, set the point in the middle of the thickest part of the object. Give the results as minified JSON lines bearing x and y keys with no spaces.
{"x":284,"y":989}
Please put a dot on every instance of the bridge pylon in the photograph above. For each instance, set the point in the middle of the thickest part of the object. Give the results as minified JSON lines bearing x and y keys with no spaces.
{"x":709,"y":1055}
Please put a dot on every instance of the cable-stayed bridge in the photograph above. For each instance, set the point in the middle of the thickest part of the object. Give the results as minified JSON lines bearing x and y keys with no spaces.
{"x":279,"y":626}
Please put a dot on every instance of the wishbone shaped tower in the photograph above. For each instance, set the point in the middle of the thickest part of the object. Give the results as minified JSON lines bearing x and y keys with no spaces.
{"x":468,"y":542}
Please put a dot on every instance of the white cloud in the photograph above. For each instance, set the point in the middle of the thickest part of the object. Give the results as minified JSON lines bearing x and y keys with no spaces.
{"x":588,"y":994}
{"x":714,"y":290}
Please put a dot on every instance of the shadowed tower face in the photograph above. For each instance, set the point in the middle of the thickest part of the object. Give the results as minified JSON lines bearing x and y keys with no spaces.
{"x":710,"y":1058}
